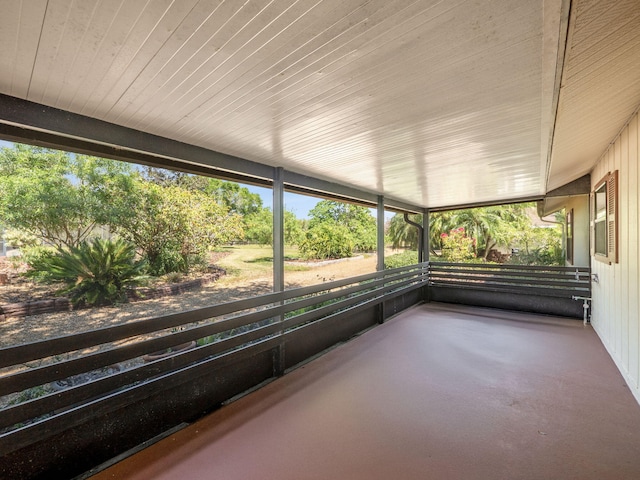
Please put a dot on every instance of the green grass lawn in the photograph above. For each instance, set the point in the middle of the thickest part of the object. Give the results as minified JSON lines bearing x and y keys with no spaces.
{"x":251,"y":261}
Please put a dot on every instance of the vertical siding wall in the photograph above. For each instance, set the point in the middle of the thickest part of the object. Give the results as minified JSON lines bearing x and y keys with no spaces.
{"x":616,"y":298}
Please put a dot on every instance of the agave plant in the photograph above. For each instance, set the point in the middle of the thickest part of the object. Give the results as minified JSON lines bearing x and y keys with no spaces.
{"x":96,"y":272}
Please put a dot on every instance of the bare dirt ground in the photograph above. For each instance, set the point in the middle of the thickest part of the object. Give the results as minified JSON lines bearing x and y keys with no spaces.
{"x":16,"y":331}
{"x":18,"y":288}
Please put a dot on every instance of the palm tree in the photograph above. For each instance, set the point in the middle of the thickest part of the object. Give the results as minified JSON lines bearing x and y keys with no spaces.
{"x":403,"y":234}
{"x":491,"y":226}
{"x":439,"y":223}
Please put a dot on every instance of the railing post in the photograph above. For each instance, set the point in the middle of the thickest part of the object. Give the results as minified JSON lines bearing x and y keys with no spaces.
{"x":278,"y":257}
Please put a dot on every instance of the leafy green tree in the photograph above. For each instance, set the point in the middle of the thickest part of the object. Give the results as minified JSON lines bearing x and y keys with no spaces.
{"x":539,"y":245}
{"x":293,"y":228}
{"x":401,"y":234}
{"x":439,"y":223}
{"x":358,"y":221}
{"x":327,"y":240}
{"x":20,"y":239}
{"x":480,"y":223}
{"x":331,"y":211}
{"x":235,"y":198}
{"x":57,"y":196}
{"x":174,"y":227}
{"x":167,"y":178}
{"x":491,"y":226}
{"x":232,"y":196}
{"x":259,"y":227}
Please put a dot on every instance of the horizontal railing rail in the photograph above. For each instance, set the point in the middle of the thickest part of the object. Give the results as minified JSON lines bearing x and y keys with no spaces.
{"x":561,"y":282}
{"x":215,"y":336}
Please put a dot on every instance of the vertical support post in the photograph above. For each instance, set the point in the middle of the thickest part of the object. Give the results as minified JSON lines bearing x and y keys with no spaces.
{"x":426,"y":245}
{"x":380,"y":238}
{"x":278,"y":256}
{"x":380,"y":250}
{"x":426,"y":241}
{"x":278,"y":230}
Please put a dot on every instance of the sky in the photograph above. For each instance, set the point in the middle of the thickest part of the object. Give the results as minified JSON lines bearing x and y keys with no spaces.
{"x":300,"y":205}
{"x":296,"y":203}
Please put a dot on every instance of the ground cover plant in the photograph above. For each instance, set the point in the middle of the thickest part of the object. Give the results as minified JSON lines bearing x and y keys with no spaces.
{"x":96,"y":272}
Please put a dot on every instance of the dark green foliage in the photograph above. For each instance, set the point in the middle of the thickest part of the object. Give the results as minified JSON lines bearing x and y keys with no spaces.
{"x":232,"y":196}
{"x":327,"y":241}
{"x":408,"y":257}
{"x":293,"y":228}
{"x":170,"y":260}
{"x":508,"y":226}
{"x":57,"y":196}
{"x":258,"y":227}
{"x":550,"y":254}
{"x":96,"y":272}
{"x":38,"y":259}
{"x":174,"y":227}
{"x":337,"y":229}
{"x":401,"y":234}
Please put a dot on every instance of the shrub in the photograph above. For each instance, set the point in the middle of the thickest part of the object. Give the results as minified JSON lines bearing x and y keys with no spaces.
{"x":543,"y":256}
{"x":543,"y":247}
{"x":456,"y":246}
{"x":174,"y":227}
{"x":21,"y":239}
{"x":38,"y":258}
{"x":408,"y":257}
{"x":96,"y":272}
{"x":364,"y":239}
{"x":170,"y":259}
{"x":327,"y":240}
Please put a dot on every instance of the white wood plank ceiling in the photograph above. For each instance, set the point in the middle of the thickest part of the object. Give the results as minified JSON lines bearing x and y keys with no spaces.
{"x":433,"y":103}
{"x":600,"y":84}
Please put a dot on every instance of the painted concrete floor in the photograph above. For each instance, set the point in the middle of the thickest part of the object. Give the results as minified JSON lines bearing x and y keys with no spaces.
{"x":438,"y":392}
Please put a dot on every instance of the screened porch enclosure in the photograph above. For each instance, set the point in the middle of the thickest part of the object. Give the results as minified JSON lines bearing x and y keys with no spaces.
{"x":439,"y":391}
{"x":394,"y":105}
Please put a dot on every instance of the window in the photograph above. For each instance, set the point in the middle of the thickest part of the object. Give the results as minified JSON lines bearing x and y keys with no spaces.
{"x":604,"y":216}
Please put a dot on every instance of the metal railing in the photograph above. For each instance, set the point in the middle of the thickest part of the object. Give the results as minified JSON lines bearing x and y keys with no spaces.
{"x":216,"y":339}
{"x":128,"y":396}
{"x":540,"y":289}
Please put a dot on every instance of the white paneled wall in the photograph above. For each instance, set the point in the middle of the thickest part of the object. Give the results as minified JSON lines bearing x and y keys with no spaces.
{"x":616,"y":297}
